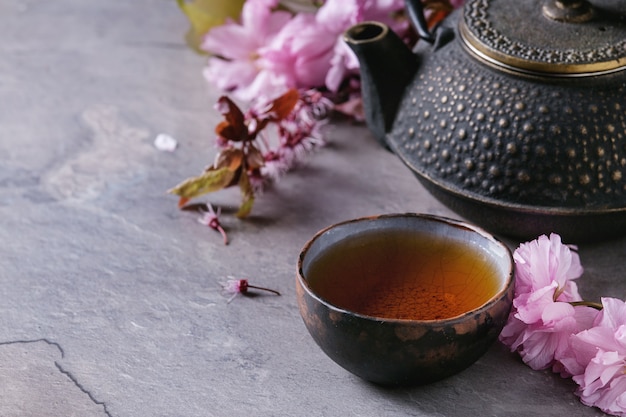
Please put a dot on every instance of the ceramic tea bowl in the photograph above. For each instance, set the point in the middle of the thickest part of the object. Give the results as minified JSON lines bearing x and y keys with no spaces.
{"x":358,"y":288}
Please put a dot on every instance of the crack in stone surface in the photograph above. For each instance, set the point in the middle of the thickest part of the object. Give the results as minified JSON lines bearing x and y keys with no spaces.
{"x":60,"y":368}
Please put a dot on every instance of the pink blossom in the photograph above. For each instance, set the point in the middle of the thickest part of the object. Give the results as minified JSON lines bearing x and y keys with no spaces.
{"x":211,"y":219}
{"x":550,"y":326}
{"x":236,"y":47}
{"x":543,"y":261}
{"x":297,"y":135}
{"x":270,"y":51}
{"x":604,"y":383}
{"x":241,"y":286}
{"x":235,"y":285}
{"x":336,"y":16}
{"x":301,"y":52}
{"x":599,"y":355}
{"x":539,"y":328}
{"x":542,"y":320}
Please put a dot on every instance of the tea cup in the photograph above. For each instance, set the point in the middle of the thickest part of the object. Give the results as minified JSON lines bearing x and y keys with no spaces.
{"x":401,"y":299}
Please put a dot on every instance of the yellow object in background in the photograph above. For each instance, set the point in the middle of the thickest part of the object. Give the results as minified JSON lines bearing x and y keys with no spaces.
{"x":205,"y":14}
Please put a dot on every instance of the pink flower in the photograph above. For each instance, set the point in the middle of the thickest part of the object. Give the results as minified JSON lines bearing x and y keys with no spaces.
{"x":241,"y":286}
{"x":550,"y":326}
{"x":599,"y":358}
{"x":539,"y":328}
{"x":301,"y":52}
{"x":296,"y":136}
{"x":542,"y":320}
{"x":235,"y":285}
{"x":336,"y":16}
{"x":211,"y":219}
{"x":237,"y":49}
{"x":543,"y":261}
{"x":271,"y":51}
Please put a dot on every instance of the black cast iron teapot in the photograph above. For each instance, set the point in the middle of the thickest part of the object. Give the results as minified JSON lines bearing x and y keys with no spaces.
{"x":513,"y":113}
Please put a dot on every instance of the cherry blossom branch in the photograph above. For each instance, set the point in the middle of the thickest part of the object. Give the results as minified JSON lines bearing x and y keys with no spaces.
{"x":585,"y":343}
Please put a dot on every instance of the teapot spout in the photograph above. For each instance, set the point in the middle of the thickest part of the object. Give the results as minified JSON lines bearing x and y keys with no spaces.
{"x":387,"y":66}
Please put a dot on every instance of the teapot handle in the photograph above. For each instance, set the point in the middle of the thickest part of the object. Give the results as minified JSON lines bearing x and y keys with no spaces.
{"x":415,"y":10}
{"x":439,"y":37}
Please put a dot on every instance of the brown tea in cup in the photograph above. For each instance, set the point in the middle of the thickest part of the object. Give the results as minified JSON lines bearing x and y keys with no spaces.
{"x":400,"y":274}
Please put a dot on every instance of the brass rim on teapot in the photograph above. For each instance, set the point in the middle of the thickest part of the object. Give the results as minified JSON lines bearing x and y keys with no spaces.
{"x":560,"y":38}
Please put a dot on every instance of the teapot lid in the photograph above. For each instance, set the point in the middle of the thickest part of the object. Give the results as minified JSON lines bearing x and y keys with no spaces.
{"x":548,"y":37}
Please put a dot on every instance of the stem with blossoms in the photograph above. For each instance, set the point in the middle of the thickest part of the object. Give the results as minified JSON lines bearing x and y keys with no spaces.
{"x":551,"y":326}
{"x":246,"y":158}
{"x":286,"y":60}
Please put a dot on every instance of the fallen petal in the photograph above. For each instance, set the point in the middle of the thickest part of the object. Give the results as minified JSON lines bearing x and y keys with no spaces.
{"x":165,"y":142}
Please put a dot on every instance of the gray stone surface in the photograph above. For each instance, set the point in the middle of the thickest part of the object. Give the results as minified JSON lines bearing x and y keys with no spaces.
{"x":110,"y":303}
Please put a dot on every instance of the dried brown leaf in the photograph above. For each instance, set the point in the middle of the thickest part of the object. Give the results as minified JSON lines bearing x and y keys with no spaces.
{"x":233,"y":127}
{"x":283,"y":105}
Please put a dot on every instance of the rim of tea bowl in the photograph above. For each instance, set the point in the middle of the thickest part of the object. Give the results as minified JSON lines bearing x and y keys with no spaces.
{"x":392,"y":351}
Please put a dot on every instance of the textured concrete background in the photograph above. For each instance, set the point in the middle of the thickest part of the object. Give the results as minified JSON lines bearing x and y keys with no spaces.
{"x":109,"y":296}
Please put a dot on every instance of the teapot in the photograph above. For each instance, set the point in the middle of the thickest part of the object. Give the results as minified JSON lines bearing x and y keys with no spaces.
{"x":512,"y":113}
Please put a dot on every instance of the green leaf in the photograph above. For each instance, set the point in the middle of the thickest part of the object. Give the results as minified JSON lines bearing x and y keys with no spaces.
{"x":208,"y":182}
{"x":206,"y":14}
{"x":247,"y":194}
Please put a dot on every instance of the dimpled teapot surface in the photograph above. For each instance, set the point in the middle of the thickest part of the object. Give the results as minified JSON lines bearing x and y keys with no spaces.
{"x":520,"y":129}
